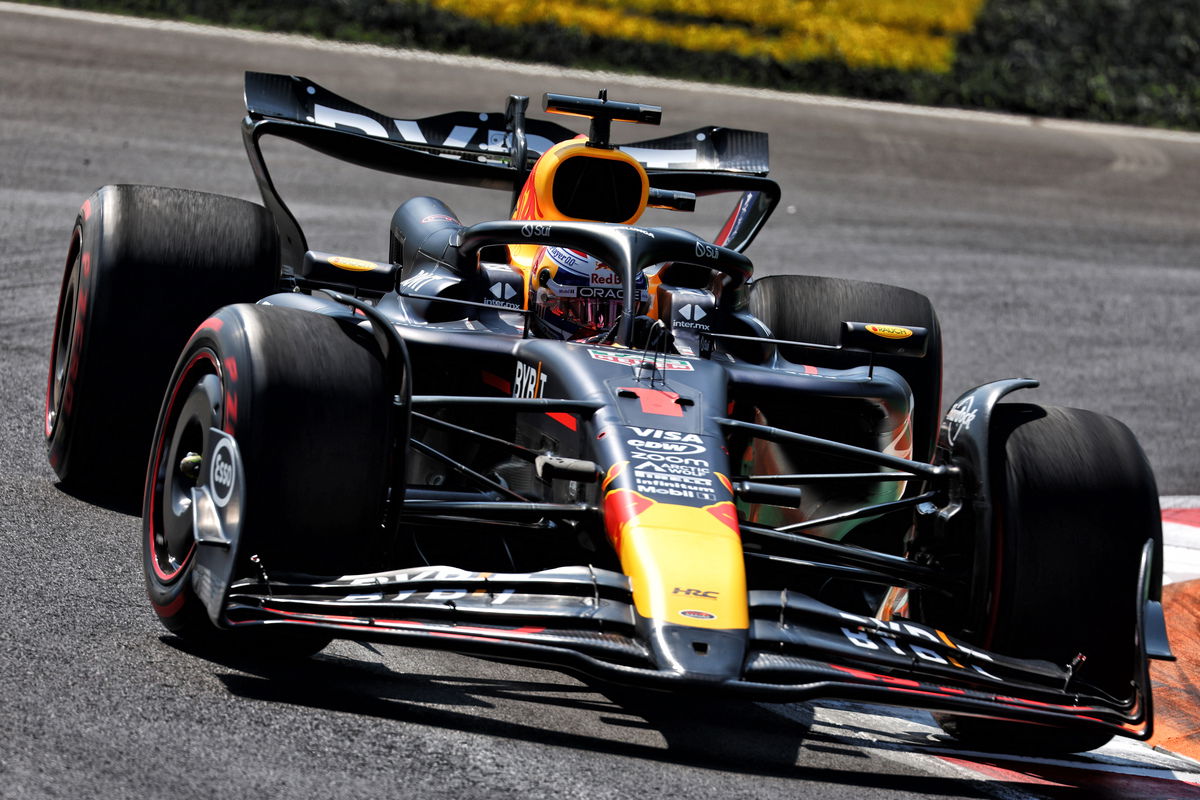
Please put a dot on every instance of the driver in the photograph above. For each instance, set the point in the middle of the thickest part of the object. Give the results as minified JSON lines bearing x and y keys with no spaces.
{"x":576,"y":297}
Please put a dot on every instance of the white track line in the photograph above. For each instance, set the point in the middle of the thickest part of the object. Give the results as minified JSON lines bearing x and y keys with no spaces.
{"x":541,"y":70}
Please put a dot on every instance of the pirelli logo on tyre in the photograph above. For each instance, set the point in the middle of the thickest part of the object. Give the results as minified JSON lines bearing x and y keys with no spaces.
{"x":890,"y":331}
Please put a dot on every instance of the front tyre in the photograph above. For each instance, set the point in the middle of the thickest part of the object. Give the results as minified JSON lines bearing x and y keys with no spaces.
{"x":304,"y":398}
{"x":1075,"y":503}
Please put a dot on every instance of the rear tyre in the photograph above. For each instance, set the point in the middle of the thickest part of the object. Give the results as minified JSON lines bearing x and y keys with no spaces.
{"x":146,"y":265}
{"x":1075,"y":503}
{"x":306,"y":402}
{"x":810,"y":308}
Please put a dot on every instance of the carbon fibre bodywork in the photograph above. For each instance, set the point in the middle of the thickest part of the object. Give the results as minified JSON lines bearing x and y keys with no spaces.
{"x":678,"y":504}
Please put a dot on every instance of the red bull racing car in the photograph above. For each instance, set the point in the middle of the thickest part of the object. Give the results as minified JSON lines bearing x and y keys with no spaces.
{"x":566,"y":438}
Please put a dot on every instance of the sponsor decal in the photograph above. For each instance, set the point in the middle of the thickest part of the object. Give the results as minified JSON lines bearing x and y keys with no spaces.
{"x":418,"y":574}
{"x":692,"y":613}
{"x":689,"y":316}
{"x":437,"y":218}
{"x":531,"y":230}
{"x":605,"y":278}
{"x":637,"y":359}
{"x":663,"y":465}
{"x":421,"y":280}
{"x":352,"y":264}
{"x":663,"y":159}
{"x":675,"y":486}
{"x":222,"y":474}
{"x":653,"y":445}
{"x":709,"y":595}
{"x":602,"y":292}
{"x":440,"y":597}
{"x":890,"y":331}
{"x":663,"y":435}
{"x":503,"y":294}
{"x":671,"y":458}
{"x":529,"y":380}
{"x":642,"y":231}
{"x":697,"y":470}
{"x":876,"y":634}
{"x":338,"y":118}
{"x":706,"y":250}
{"x":670,"y":479}
{"x":565,"y":257}
{"x":959,"y":418}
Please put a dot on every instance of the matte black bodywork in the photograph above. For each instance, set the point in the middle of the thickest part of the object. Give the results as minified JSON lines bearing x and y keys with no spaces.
{"x":513,"y":444}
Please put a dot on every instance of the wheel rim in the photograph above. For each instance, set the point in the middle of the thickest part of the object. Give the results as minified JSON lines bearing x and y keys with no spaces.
{"x":63,"y":351}
{"x":196,"y":405}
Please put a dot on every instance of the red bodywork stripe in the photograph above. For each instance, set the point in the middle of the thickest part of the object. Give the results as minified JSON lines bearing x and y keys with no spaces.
{"x":565,"y":419}
{"x":497,"y":383}
{"x":621,"y":506}
{"x":871,"y":676}
{"x":656,"y":401}
{"x":727,"y":513}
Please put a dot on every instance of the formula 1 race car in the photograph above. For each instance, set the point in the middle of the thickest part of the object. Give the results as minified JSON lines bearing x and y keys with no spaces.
{"x":564,"y":438}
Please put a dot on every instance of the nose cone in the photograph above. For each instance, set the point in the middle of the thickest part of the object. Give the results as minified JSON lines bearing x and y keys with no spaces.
{"x":703,"y":655}
{"x":687,"y":573}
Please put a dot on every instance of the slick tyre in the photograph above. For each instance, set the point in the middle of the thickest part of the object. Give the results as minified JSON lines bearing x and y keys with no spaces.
{"x":1075,"y":503}
{"x":304,"y":399}
{"x":145,"y":266}
{"x":809,"y":308}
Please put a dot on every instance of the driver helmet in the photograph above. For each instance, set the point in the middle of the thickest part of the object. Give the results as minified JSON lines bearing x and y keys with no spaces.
{"x":576,"y":296}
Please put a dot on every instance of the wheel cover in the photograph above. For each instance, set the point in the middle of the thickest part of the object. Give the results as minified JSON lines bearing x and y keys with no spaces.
{"x":196,"y":405}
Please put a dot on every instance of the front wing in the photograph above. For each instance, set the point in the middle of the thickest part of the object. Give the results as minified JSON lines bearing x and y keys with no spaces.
{"x":582,"y":619}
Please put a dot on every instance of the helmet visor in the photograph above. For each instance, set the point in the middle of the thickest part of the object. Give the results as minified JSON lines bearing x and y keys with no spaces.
{"x":583,"y":317}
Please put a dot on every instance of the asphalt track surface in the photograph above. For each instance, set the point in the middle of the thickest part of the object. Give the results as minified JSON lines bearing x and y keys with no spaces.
{"x":1067,"y":253}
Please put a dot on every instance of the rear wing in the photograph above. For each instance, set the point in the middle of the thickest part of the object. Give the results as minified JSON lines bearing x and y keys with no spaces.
{"x":491,"y":150}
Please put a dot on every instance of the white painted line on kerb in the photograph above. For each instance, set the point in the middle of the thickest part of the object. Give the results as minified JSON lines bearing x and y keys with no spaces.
{"x":601,"y":77}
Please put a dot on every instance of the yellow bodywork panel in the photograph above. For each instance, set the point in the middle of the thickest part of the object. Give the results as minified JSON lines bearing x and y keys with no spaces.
{"x":685,"y":564}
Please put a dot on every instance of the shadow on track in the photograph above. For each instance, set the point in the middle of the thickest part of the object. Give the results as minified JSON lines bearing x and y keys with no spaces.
{"x":122,"y":502}
{"x":713,"y":734}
